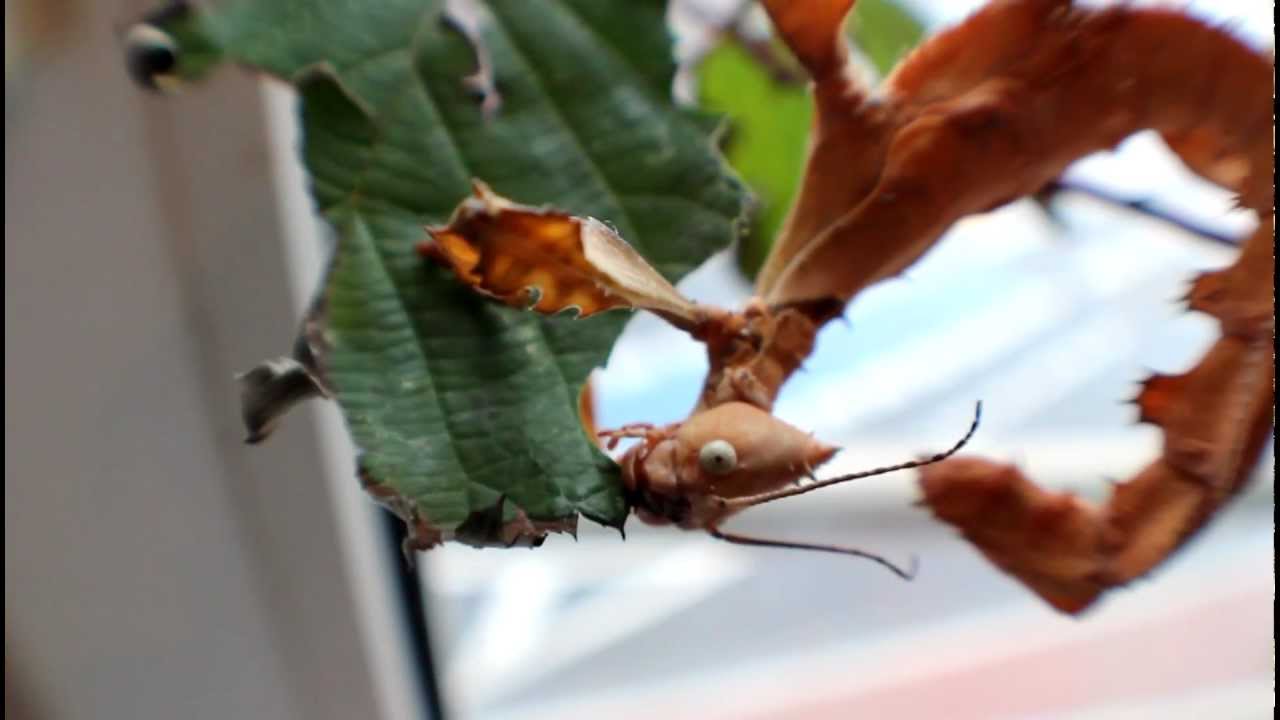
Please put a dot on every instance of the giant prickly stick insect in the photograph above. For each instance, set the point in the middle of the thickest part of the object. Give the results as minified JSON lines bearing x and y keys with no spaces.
{"x":978,"y":116}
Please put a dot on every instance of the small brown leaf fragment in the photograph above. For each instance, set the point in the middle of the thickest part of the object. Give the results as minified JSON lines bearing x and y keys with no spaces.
{"x":522,"y":255}
{"x":269,"y":390}
{"x":486,"y":528}
{"x":421,"y":533}
{"x":275,"y":386}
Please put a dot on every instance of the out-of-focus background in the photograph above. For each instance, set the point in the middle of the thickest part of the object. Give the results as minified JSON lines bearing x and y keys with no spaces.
{"x":156,"y":567}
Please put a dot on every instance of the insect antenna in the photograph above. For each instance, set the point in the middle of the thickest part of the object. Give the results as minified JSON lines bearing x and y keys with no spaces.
{"x":748,"y":501}
{"x":751,"y":500}
{"x":906,"y":574}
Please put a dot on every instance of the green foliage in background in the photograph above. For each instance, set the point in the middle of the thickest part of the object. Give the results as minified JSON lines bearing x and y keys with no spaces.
{"x":885,"y":32}
{"x":771,"y":117}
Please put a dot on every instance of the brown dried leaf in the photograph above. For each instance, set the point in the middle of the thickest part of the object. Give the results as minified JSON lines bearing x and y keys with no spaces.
{"x":517,"y":253}
{"x":272,"y":387}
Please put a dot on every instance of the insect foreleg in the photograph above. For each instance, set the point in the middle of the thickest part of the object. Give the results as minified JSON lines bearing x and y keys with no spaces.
{"x":648,"y":432}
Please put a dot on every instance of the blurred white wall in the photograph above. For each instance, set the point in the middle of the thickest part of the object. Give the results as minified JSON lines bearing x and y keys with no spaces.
{"x":155,"y":567}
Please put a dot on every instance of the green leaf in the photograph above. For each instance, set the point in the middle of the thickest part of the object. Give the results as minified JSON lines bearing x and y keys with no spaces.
{"x":771,"y":117}
{"x":765,"y":143}
{"x":884,"y":31}
{"x":466,"y":410}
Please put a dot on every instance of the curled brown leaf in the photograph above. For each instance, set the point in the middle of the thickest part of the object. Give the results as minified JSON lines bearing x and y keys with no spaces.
{"x":551,"y":260}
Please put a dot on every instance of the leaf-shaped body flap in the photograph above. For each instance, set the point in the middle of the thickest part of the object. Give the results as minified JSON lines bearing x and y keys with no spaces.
{"x":992,"y":110}
{"x":518,"y":253}
{"x":850,"y":134}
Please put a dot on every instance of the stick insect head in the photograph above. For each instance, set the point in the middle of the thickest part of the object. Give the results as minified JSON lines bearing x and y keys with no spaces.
{"x":729,"y":451}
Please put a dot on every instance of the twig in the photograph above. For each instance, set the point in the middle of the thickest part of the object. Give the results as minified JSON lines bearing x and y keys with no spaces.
{"x":1141,"y":206}
{"x":770,"y":56}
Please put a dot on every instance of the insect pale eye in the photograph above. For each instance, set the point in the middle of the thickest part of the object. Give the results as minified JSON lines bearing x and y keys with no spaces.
{"x":718,"y":457}
{"x":152,"y":57}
